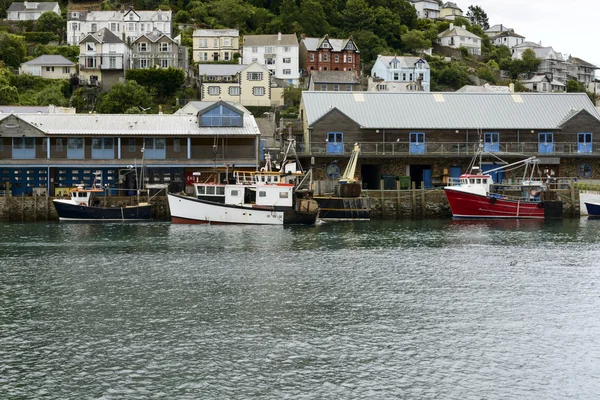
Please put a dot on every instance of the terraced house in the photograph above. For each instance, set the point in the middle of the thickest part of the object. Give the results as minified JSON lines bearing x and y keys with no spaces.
{"x":156,"y":49}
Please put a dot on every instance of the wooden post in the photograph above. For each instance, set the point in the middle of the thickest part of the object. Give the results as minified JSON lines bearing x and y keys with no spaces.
{"x":398,"y":198}
{"x":23,"y":207}
{"x":414,"y":198}
{"x":382,"y":198}
{"x":422,"y":199}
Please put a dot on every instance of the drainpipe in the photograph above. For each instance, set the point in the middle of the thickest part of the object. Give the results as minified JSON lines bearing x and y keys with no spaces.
{"x":189,"y":148}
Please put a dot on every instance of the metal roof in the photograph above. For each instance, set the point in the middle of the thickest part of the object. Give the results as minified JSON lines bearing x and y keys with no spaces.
{"x":131,"y":124}
{"x":448,"y":110}
{"x":193,"y":107}
{"x":50,"y":59}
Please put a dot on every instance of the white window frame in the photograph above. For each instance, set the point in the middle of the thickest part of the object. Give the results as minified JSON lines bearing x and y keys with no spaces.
{"x":258,"y":91}
{"x":213,"y":90}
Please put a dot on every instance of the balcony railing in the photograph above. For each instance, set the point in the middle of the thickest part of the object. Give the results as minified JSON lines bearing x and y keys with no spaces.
{"x":447,"y":149}
{"x":101,"y":61}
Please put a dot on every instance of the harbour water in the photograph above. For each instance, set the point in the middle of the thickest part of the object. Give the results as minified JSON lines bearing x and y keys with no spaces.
{"x":433,"y":309}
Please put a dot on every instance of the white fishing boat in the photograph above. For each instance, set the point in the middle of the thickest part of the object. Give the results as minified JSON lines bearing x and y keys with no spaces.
{"x":249,"y":197}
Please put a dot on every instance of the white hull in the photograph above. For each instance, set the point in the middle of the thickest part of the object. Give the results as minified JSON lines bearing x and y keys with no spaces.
{"x":190,"y":210}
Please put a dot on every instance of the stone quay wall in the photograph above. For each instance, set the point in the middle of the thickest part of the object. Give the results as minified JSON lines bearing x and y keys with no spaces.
{"x":388,"y":204}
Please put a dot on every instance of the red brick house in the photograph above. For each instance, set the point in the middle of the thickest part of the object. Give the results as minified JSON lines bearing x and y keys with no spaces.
{"x":325,"y":54}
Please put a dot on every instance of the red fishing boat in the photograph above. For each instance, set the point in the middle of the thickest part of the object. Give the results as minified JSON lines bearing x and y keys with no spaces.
{"x":475,"y":195}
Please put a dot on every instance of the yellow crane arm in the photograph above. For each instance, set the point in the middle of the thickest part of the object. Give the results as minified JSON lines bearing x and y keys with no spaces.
{"x":348,"y":176}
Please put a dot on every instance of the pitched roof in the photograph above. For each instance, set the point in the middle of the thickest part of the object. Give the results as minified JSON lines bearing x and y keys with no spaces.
{"x":334,"y":77}
{"x":312,"y":44}
{"x":131,"y":124}
{"x":154,"y":36}
{"x":193,"y":107}
{"x":583,"y":63}
{"x":509,"y":33}
{"x":20,"y":7}
{"x":270,"y":40}
{"x":104,"y":35}
{"x":50,"y":59}
{"x":421,"y":110}
{"x":458,"y":31}
{"x":216,"y":32}
{"x":116,"y":16}
{"x":219,"y":69}
{"x":404,"y":62}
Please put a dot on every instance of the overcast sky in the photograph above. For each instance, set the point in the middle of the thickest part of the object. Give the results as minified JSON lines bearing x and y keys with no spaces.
{"x":570,"y":26}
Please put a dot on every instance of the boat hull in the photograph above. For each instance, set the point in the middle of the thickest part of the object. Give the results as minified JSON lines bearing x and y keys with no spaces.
{"x":72,"y":212}
{"x":471,"y":205}
{"x":344,"y":208}
{"x":593,"y":210}
{"x":189,"y":210}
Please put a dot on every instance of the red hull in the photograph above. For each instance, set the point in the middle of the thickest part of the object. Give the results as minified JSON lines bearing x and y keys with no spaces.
{"x":469,"y":205}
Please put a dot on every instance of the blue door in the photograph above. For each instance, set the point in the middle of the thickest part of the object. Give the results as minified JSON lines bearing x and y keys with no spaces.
{"x":427,"y":181}
{"x":546,"y":143}
{"x":75,"y":148}
{"x":584,"y":142}
{"x":335,"y":143}
{"x":262,"y":149}
{"x":23,"y":148}
{"x":497,"y":176}
{"x":155,"y":148}
{"x":491,"y":142}
{"x":417,"y":143}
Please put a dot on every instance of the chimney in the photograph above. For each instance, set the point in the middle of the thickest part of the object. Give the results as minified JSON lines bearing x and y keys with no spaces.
{"x":279,"y":36}
{"x":451,"y":26}
{"x":511,"y":87}
{"x":303,"y":36}
{"x":464,"y":27}
{"x":160,"y":109}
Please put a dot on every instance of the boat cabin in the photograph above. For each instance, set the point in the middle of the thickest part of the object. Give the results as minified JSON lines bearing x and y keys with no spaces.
{"x":83,"y":197}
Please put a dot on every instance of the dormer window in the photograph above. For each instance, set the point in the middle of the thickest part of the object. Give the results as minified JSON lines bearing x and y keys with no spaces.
{"x":131,"y":17}
{"x":325,"y":45}
{"x":74,"y":15}
{"x":90,"y":46}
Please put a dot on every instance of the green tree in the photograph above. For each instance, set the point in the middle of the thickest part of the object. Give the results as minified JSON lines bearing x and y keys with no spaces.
{"x":530,"y":61}
{"x":370,"y":45}
{"x":358,"y":16}
{"x":162,"y":81}
{"x":388,"y":27}
{"x":451,"y":75}
{"x":123,"y":96}
{"x":12,"y":49}
{"x":415,"y":40}
{"x":51,"y":22}
{"x":51,"y":95}
{"x":182,"y":17}
{"x":9,"y":95}
{"x":574,"y":86}
{"x":477,"y":16}
{"x":313,"y":19}
{"x":292,"y":96}
{"x":289,"y":13}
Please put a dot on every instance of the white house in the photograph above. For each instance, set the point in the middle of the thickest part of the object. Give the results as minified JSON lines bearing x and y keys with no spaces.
{"x":279,"y":53}
{"x":426,"y":8}
{"x":543,"y":83}
{"x":29,"y":10}
{"x":103,"y":59}
{"x":127,"y":25}
{"x":401,"y":74}
{"x":49,"y":66}
{"x":507,"y":38}
{"x":457,"y":36}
